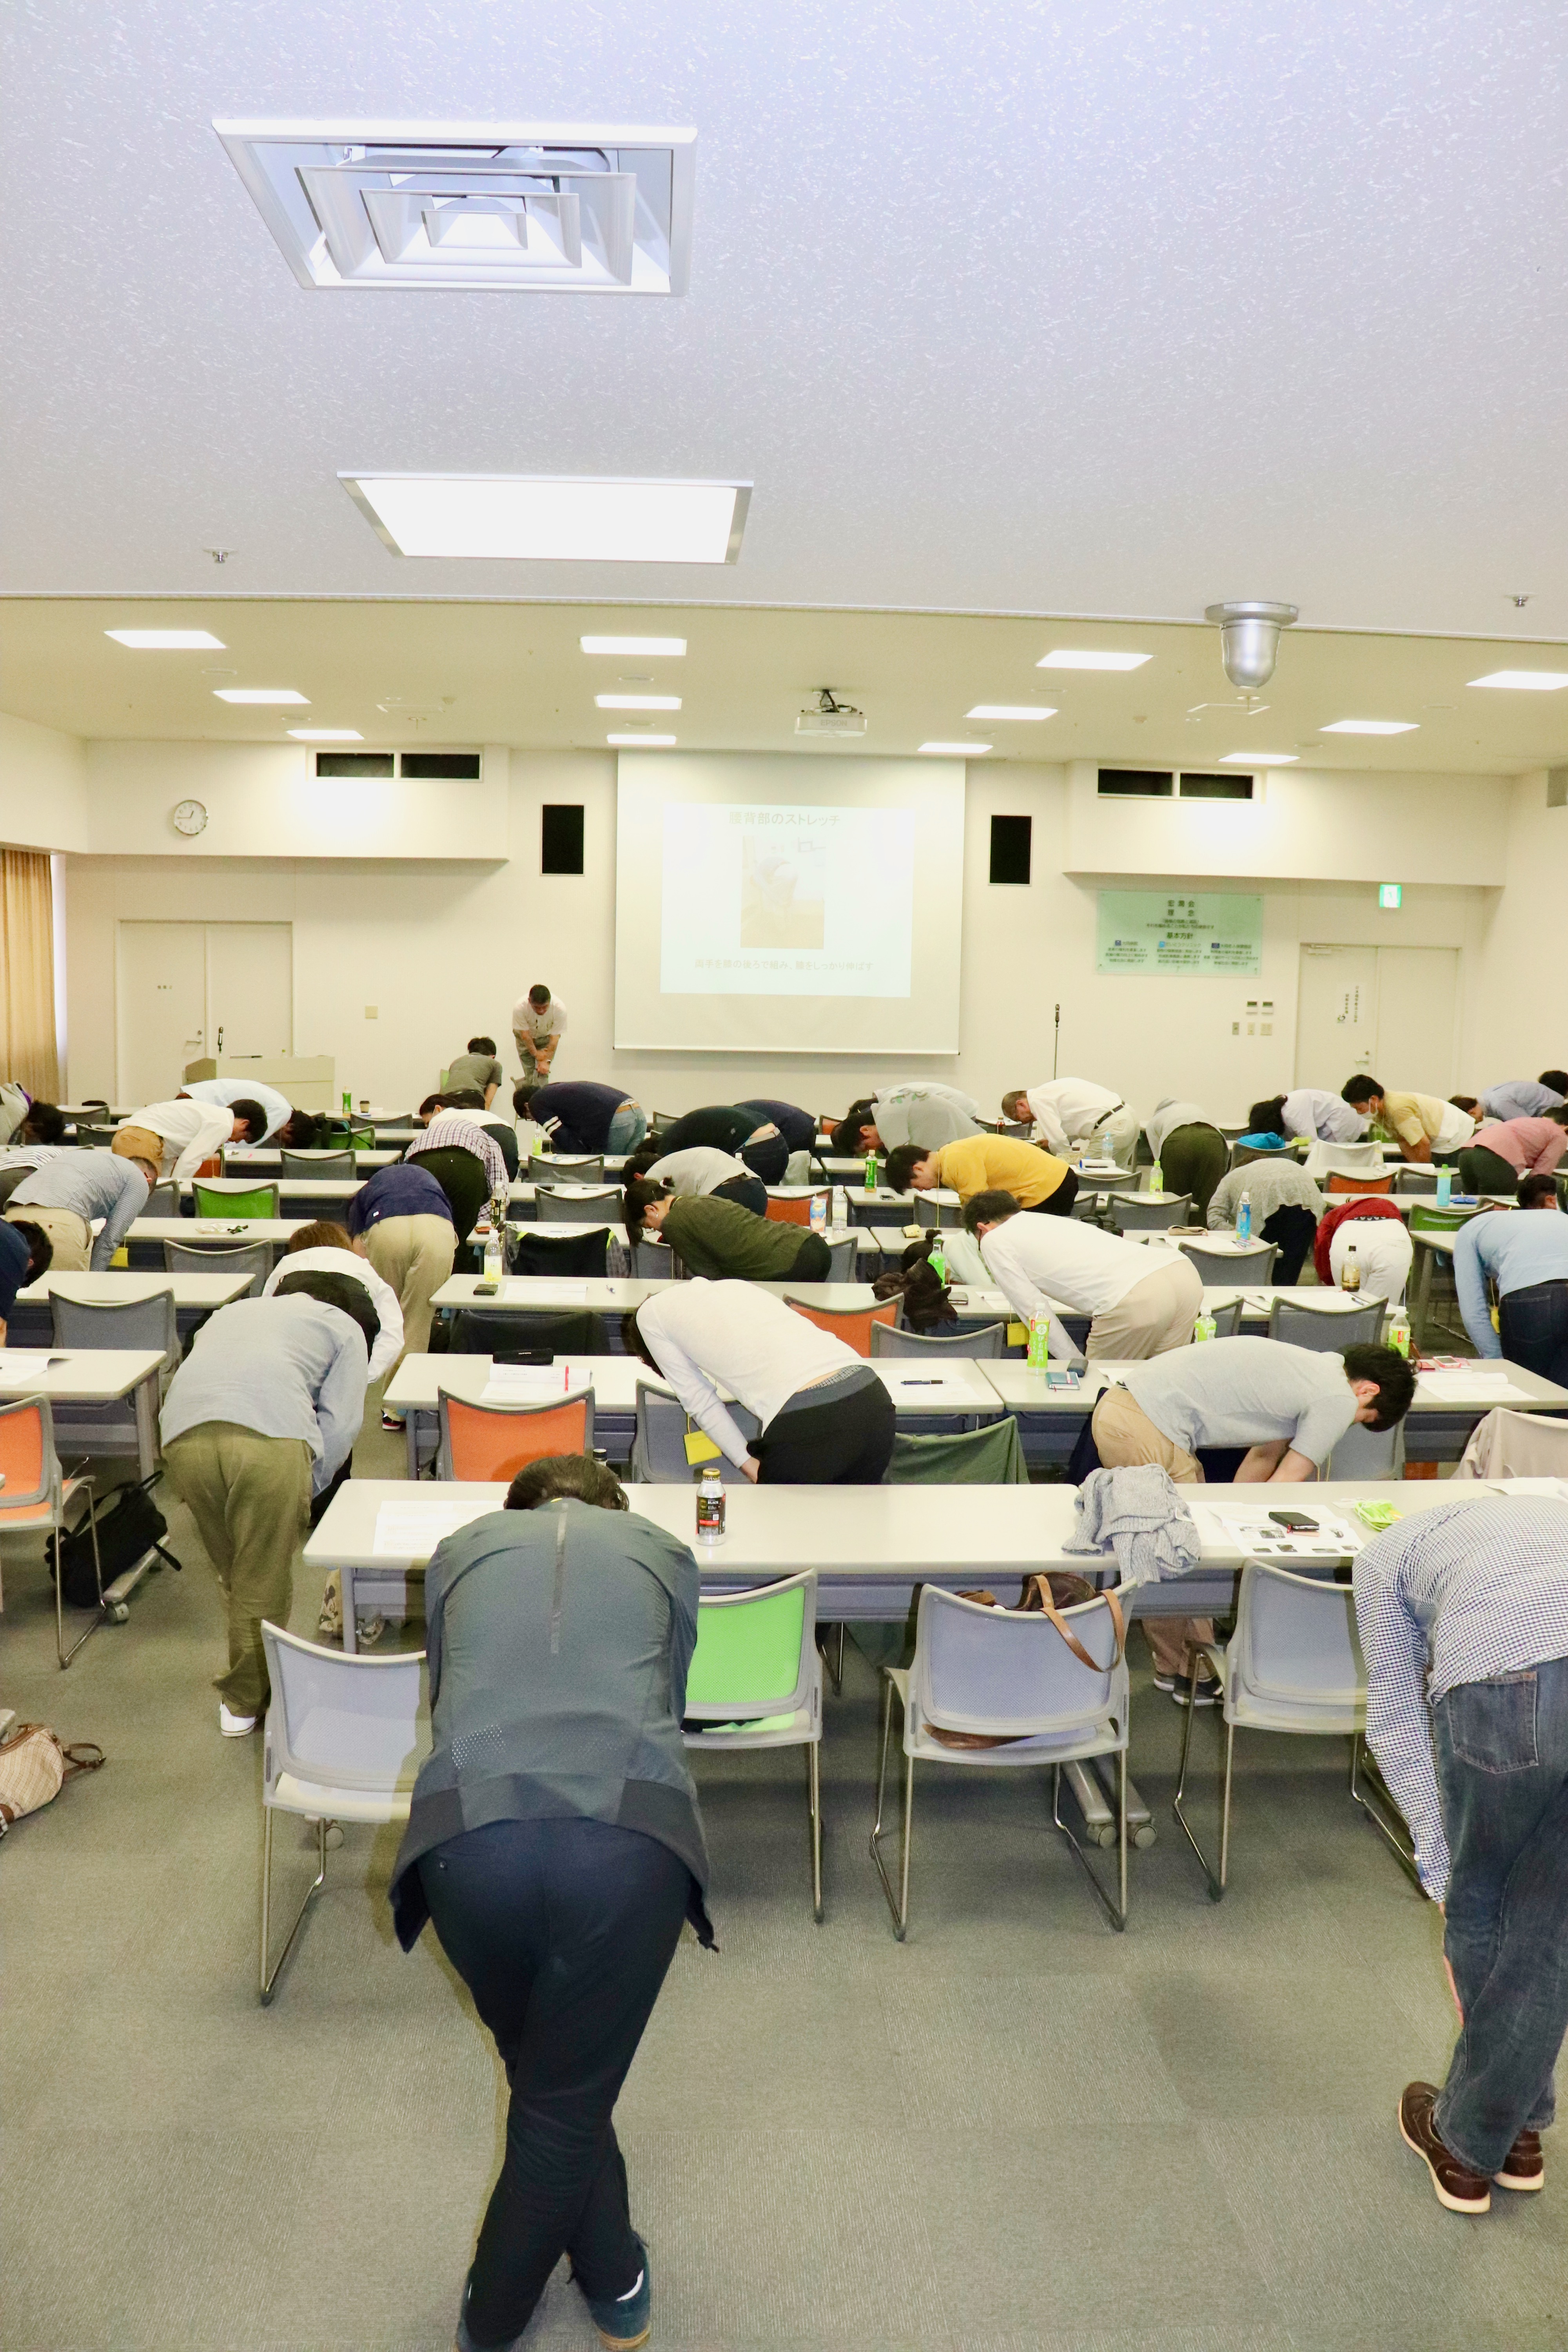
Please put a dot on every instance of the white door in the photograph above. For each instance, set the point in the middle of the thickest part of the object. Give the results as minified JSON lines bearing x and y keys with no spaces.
{"x":160,"y":1008}
{"x":186,"y":991}
{"x":250,"y":988}
{"x":1336,"y":1015}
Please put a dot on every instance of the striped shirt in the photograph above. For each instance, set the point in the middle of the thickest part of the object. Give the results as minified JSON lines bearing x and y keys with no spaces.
{"x":455,"y":1131}
{"x":1456,"y":1594}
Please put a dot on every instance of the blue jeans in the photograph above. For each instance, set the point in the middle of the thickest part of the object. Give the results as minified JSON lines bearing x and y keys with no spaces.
{"x":562,"y":1931}
{"x":1501,"y":1749}
{"x":1533,"y":1327}
{"x":627,"y":1129}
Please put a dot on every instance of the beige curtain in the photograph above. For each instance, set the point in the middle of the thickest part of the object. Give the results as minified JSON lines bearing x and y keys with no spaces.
{"x":27,"y":972}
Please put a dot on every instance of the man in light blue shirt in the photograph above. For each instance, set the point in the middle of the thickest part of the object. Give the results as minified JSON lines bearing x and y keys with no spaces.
{"x":1308,"y":1110}
{"x":1526,"y":1097}
{"x":73,"y":1188}
{"x":1525,"y":1251}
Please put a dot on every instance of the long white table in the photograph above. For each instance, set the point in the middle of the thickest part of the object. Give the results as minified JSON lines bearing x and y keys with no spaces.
{"x":197,"y":1295}
{"x":144,"y":1241}
{"x":84,"y":1387}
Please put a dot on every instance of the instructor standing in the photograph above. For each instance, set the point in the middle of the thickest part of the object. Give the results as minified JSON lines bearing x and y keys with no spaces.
{"x":538,"y":1026}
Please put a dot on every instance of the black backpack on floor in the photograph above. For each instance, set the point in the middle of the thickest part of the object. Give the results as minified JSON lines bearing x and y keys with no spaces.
{"x":130,"y":1526}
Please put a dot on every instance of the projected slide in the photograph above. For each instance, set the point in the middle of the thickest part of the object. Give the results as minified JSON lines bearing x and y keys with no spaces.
{"x":789,"y":901}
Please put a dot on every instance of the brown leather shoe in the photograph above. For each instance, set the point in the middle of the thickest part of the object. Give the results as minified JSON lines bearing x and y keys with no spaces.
{"x":1459,"y":2188}
{"x":1523,"y":2166}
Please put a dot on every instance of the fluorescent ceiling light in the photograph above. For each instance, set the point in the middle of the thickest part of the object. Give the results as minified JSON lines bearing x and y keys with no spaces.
{"x":1257,"y":759}
{"x":1010,"y":710}
{"x":168,"y":641}
{"x":956,"y":751}
{"x":656,"y":648}
{"x":632,"y":742}
{"x":325,"y":734}
{"x":1370,"y":726}
{"x":637,"y":701}
{"x":1521,"y":681}
{"x":259,"y":694}
{"x":523,"y":518}
{"x":1068,"y":658}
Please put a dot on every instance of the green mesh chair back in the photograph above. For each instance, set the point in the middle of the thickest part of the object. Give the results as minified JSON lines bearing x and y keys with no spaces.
{"x":1425,"y":1220}
{"x":992,"y":1457}
{"x":237,"y":1201}
{"x":753,"y":1653}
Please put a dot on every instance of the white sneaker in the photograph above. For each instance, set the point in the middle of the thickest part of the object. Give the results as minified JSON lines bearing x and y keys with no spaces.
{"x":233,"y":1726}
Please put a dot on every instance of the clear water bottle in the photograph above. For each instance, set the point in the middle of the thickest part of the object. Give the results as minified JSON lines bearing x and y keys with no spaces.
{"x":819,"y":1213}
{"x":711,"y":1506}
{"x":1039,"y":1340}
{"x":1398,"y":1333}
{"x":840,"y":1209}
{"x":495,"y":1254}
{"x":871,"y":1172}
{"x":1445,"y":1187}
{"x":1349,"y":1271}
{"x":1244,"y":1219}
{"x":1205,"y":1326}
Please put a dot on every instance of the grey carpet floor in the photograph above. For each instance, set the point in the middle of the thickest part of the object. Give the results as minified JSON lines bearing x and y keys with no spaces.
{"x":1015,"y":2133}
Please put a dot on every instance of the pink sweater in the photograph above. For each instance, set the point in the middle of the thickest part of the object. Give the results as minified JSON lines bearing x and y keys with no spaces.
{"x":1533,"y":1146}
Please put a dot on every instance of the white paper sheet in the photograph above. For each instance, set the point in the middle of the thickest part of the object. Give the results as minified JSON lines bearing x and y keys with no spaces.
{"x":522,"y":1287}
{"x":413,"y":1530}
{"x":1256,"y":1534}
{"x":18,"y":1369}
{"x":1478,"y":1387}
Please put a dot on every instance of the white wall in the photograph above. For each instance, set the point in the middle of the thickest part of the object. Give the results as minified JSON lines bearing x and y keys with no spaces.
{"x":443,"y":947}
{"x":1520,"y":1024}
{"x":43,"y":787}
{"x":264,"y":800}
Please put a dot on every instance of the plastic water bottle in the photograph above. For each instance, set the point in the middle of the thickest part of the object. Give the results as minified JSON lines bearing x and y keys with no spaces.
{"x":495,"y":1255}
{"x":1398,"y":1332}
{"x":871,"y":1172}
{"x":1205,"y":1327}
{"x":1156,"y":1178}
{"x":1039,"y":1340}
{"x":937,"y":1258}
{"x":1445,"y":1187}
{"x":1349,"y":1273}
{"x":711,"y":1506}
{"x":1244,"y":1219}
{"x":840,"y":1209}
{"x":819,"y":1213}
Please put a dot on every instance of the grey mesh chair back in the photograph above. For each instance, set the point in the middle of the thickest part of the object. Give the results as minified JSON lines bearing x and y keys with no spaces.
{"x":1135,"y":1213}
{"x":841,"y":1259}
{"x":253,"y":1258}
{"x":553,"y":1208}
{"x":658,"y":1448}
{"x":132,"y":1323}
{"x":1227,"y":1319}
{"x":550,"y":1170}
{"x":889,"y":1340}
{"x":1021,"y":1130}
{"x":994,"y":1670}
{"x":652,"y":1261}
{"x":1328,"y":1328}
{"x":164,"y":1200}
{"x":1222,"y":1269}
{"x":1422,"y":1180}
{"x":1363,"y":1453}
{"x":94,"y":1139}
{"x":317,"y":1163}
{"x":1242,"y":1154}
{"x":1295,"y":1658}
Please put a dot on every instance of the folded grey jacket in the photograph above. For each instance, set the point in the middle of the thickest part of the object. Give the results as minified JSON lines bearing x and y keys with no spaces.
{"x":1137,"y":1513}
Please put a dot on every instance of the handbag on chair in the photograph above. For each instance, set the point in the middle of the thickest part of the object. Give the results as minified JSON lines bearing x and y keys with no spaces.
{"x":1044,"y":1594}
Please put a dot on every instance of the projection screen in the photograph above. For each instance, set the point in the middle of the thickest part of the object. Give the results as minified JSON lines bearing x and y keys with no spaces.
{"x":778,"y":904}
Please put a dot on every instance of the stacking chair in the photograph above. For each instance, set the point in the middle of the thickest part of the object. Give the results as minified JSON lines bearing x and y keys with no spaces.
{"x":755,"y":1681}
{"x":890,"y":1339}
{"x":512,"y":1336}
{"x":1219,"y":1269}
{"x":1227,"y":1319}
{"x":553,"y":1208}
{"x":481,"y":1441}
{"x":1242,"y":1154}
{"x":164,"y":1200}
{"x":36,"y":1495}
{"x":841,"y":1257}
{"x":240,"y":1201}
{"x":1293,"y":1665}
{"x":1339,"y":1183}
{"x":1000,"y":1672}
{"x":1327,"y":1328}
{"x":253,"y":1258}
{"x":550,"y":1170}
{"x":797,"y":1212}
{"x":1506,"y":1444}
{"x":1021,"y":1130}
{"x":658,"y":1448}
{"x":132,"y":1323}
{"x":652,"y":1261}
{"x":1421,"y":1181}
{"x":564,"y":1256}
{"x":1434,"y":1220}
{"x":94,"y":1139}
{"x":1364,"y":1453}
{"x":851,"y":1324}
{"x":1135,"y":1212}
{"x":992,"y":1456}
{"x":317,"y":1163}
{"x":341,"y":1743}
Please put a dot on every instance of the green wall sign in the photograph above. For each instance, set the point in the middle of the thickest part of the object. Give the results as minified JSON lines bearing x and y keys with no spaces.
{"x":1155,"y":931}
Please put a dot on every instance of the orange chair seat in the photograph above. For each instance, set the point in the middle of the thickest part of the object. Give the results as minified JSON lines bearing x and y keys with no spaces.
{"x":788,"y":1213}
{"x":1338,"y":1182}
{"x":490,"y":1442}
{"x":850,"y":1324}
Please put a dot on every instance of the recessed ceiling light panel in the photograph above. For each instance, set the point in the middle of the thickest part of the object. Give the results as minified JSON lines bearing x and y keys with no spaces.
{"x":1258,"y":759}
{"x":259,"y":694}
{"x":637,"y":701}
{"x":167,"y":641}
{"x":1069,"y":658}
{"x":542,"y":519}
{"x":1524,"y":681}
{"x":1370,"y":726}
{"x":1012,"y":710}
{"x":956,"y":751}
{"x":325,"y":734}
{"x":541,"y":207}
{"x":642,"y":742}
{"x":655,"y":649}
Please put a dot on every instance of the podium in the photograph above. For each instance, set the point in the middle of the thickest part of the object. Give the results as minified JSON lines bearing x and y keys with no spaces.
{"x":308,"y":1081}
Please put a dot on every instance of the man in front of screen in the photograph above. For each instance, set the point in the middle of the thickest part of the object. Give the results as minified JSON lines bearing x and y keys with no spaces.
{"x":926,"y":1113}
{"x":1289,"y":1406}
{"x":988,"y":1163}
{"x":538,"y":1026}
{"x":1066,"y":1111}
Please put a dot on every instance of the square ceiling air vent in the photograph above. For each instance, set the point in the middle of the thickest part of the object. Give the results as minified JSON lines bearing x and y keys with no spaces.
{"x":584,"y":208}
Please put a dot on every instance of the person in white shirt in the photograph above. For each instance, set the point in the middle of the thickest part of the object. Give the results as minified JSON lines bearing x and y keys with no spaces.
{"x":538,"y":1026}
{"x":281,"y":1112}
{"x":1308,"y":1110}
{"x":826,"y":1419}
{"x":1142,"y":1298}
{"x":704,"y":1170}
{"x":1075,"y":1110}
{"x":325,"y":1248}
{"x":180,"y":1135}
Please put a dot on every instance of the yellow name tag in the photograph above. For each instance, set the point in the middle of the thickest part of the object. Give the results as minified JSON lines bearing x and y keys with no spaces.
{"x":1017,"y":1333}
{"x":699,"y":1448}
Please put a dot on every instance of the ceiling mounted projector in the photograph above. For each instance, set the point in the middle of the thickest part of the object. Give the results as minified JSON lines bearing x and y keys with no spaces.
{"x":1249,"y":638}
{"x":828,"y":717}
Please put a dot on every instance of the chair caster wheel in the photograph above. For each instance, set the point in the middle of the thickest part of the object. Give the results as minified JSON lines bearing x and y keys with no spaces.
{"x":1143,"y":1838}
{"x":117,"y":1612}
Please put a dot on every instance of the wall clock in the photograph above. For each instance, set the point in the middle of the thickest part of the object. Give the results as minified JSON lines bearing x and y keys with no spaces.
{"x":189,"y":816}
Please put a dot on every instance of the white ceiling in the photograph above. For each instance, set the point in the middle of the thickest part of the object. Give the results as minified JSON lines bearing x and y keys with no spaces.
{"x":1100,"y":307}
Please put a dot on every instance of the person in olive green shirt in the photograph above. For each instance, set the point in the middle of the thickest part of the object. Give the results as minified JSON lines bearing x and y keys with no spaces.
{"x":988,"y":1163}
{"x":721,"y":1240}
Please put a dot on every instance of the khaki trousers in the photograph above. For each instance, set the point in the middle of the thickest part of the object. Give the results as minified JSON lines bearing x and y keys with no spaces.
{"x":72,"y":1236}
{"x":1156,"y":1314}
{"x":1124,"y":1434}
{"x":140,"y":1143}
{"x":414,"y":1256}
{"x":250,"y":1498}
